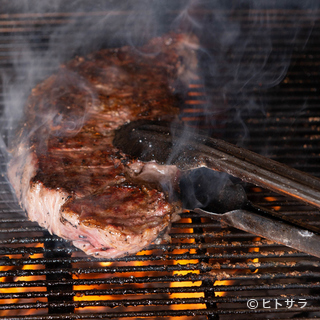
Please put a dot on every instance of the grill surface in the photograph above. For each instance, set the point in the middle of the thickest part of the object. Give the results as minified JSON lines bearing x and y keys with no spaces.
{"x":208,"y":271}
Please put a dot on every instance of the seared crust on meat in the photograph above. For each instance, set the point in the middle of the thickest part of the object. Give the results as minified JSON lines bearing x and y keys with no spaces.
{"x":65,"y":171}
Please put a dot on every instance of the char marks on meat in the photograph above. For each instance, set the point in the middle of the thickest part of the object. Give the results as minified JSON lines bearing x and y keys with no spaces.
{"x":66,"y":173}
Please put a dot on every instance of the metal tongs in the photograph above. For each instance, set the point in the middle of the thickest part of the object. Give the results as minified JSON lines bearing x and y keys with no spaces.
{"x":169,"y":144}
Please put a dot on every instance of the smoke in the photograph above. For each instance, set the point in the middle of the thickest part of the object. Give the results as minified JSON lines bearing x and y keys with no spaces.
{"x":246,"y":50}
{"x":240,"y":49}
{"x":56,"y":31}
{"x":239,"y":52}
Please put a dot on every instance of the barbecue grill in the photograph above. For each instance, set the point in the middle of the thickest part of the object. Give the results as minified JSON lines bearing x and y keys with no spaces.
{"x":208,"y":270}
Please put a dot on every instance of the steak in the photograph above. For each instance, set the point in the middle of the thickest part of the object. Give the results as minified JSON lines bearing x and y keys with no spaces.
{"x":65,"y":171}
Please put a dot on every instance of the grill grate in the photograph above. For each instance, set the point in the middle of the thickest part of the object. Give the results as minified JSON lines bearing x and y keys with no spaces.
{"x":208,"y":271}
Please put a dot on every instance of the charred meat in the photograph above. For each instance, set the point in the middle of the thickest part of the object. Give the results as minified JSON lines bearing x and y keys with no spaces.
{"x":64,"y":169}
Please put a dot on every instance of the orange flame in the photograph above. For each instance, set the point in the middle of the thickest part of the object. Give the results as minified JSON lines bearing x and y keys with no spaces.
{"x":20,"y":289}
{"x":186,"y":284}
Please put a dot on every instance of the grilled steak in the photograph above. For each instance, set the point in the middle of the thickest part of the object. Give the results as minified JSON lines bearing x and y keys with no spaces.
{"x":65,"y":171}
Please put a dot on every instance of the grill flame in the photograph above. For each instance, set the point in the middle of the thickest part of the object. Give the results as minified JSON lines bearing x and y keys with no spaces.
{"x":9,"y":306}
{"x":179,"y":273}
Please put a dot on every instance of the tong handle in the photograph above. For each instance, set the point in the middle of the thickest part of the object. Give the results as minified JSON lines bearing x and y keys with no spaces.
{"x":269,"y":228}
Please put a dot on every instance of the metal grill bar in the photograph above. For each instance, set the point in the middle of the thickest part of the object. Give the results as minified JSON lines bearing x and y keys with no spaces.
{"x":191,"y":266}
{"x":307,"y":263}
{"x":130,"y":303}
{"x":128,"y":292}
{"x":167,"y":279}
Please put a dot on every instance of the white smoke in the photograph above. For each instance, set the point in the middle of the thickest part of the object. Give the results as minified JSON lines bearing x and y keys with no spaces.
{"x":228,"y":30}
